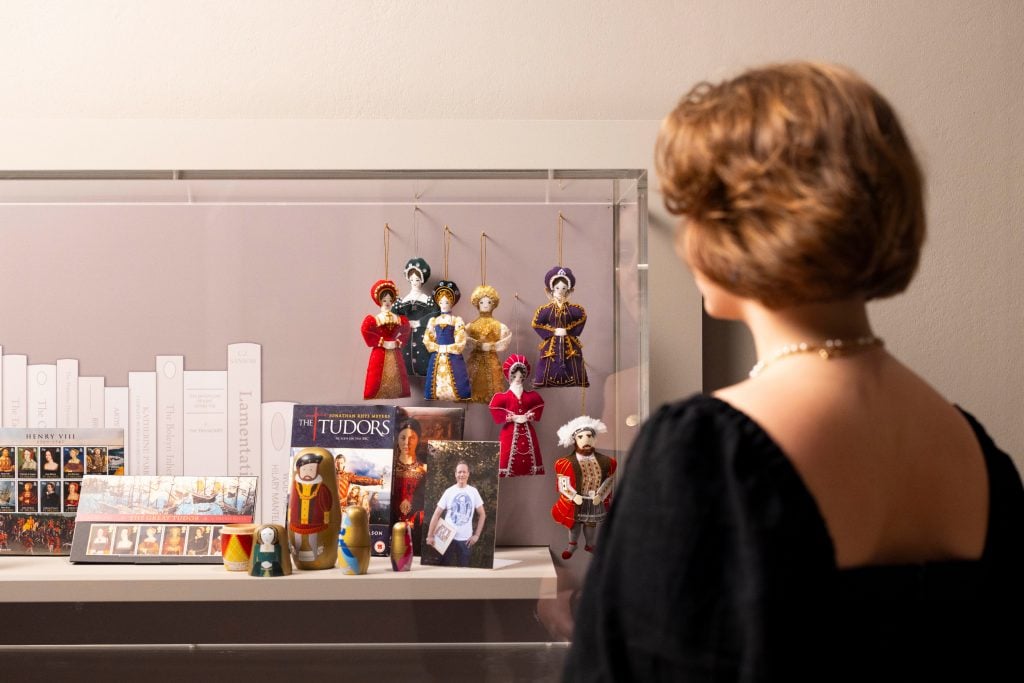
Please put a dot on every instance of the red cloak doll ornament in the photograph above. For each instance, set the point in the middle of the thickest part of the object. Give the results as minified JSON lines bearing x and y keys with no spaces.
{"x":584,"y":480}
{"x":515,"y":409}
{"x":385,"y":333}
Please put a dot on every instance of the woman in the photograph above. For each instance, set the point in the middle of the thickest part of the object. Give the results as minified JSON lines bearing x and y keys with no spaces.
{"x":832,"y":517}
{"x":559,"y":324}
{"x":51,"y":468}
{"x":445,"y":338}
{"x":418,"y":307}
{"x":489,"y":337}
{"x":72,"y":497}
{"x":385,"y":333}
{"x":407,"y":497}
{"x":519,"y":450}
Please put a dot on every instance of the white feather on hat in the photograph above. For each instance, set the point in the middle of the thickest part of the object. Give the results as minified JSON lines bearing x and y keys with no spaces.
{"x":567,"y":432}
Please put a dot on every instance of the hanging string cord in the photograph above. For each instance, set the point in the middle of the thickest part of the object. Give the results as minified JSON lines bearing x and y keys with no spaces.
{"x":483,"y":258}
{"x":415,"y":230}
{"x":561,"y":227}
{"x":583,"y":394}
{"x":516,"y":315}
{"x":447,"y":246}
{"x":387,"y":248}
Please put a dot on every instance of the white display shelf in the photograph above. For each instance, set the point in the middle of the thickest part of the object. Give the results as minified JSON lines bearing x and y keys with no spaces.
{"x":524,"y":573}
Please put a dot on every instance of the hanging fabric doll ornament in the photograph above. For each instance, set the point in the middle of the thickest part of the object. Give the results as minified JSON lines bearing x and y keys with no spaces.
{"x":385,"y":333}
{"x":559,"y":324}
{"x":489,"y":337}
{"x":445,"y":338}
{"x":418,"y":307}
{"x":584,"y":480}
{"x":515,"y":410}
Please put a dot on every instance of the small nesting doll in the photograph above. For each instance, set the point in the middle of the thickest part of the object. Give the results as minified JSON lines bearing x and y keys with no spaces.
{"x":354,"y":541}
{"x":489,"y":336}
{"x":445,"y":338}
{"x":269,"y":554}
{"x":385,"y":333}
{"x":401,"y":547}
{"x":313,"y":510}
{"x":559,"y":324}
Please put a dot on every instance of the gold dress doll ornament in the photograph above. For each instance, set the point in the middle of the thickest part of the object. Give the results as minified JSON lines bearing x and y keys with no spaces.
{"x":313,"y":510}
{"x":488,"y":337}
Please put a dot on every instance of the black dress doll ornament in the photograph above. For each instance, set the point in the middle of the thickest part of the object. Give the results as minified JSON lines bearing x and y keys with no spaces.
{"x":559,"y":324}
{"x":418,"y":307}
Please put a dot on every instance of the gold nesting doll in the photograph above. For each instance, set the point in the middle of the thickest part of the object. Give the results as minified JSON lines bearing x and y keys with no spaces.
{"x":314,"y":516}
{"x":354,"y":541}
{"x":401,"y":547}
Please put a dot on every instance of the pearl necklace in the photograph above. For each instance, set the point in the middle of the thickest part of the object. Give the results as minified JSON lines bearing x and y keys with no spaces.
{"x":826,"y":350}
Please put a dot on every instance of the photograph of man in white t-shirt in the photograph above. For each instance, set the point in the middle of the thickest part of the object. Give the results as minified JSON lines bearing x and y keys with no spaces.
{"x":461,"y":505}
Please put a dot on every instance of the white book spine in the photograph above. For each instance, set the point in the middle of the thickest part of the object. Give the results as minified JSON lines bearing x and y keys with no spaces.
{"x":141,"y":457}
{"x":170,"y":397}
{"x":244,"y":400}
{"x":115,"y":412}
{"x":1,"y":386}
{"x":42,"y":395}
{"x":67,"y":392}
{"x":91,"y":403}
{"x":15,"y":390}
{"x":206,"y":422}
{"x":277,"y":441}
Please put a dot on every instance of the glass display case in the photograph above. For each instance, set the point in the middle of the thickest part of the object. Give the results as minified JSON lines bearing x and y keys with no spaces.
{"x":114,"y":268}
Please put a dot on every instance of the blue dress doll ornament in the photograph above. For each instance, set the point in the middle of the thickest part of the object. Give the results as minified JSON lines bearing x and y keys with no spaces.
{"x":445,"y":338}
{"x":559,"y":324}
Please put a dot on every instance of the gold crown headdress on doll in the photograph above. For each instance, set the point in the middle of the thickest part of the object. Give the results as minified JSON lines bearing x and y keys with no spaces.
{"x":567,"y":432}
{"x":485,"y":290}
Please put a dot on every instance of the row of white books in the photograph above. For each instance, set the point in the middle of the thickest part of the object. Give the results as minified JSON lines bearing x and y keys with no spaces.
{"x":175,"y":421}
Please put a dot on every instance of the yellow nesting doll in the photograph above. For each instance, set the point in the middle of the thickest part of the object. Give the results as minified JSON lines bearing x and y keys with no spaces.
{"x":354,"y":541}
{"x":314,"y":515}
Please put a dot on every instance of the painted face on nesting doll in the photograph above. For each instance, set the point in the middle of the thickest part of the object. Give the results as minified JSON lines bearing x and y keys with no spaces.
{"x":485,"y":305}
{"x":308,"y":471}
{"x":445,"y":304}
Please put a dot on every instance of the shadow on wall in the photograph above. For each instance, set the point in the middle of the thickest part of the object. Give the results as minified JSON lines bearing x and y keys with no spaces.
{"x":728,"y":353}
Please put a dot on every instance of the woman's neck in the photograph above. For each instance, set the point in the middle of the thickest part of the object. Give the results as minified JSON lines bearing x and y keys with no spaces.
{"x":811,"y":323}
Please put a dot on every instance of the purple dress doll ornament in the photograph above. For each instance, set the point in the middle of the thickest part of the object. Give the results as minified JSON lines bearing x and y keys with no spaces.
{"x":559,"y":324}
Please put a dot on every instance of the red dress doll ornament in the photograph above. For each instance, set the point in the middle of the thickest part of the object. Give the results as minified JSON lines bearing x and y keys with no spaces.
{"x":584,"y":480}
{"x":515,"y":409}
{"x":385,"y":333}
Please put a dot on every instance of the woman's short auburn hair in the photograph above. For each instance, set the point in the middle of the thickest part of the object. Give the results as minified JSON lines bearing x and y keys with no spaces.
{"x":797,"y":185}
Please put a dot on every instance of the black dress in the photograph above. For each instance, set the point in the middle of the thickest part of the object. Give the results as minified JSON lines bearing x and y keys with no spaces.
{"x":715,"y":564}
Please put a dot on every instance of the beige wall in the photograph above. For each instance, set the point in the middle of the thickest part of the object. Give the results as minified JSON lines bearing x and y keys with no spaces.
{"x":952,"y":68}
